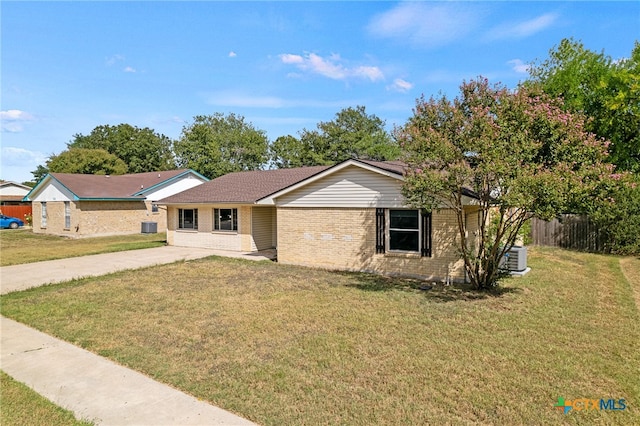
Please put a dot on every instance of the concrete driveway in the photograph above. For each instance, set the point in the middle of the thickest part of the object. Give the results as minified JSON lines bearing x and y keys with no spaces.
{"x":21,"y":277}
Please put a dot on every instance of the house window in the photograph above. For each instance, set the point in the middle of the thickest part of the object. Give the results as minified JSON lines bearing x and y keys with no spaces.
{"x":225,"y":219}
{"x":154,"y":208}
{"x":43,"y":216}
{"x":187,"y":218}
{"x":402,"y":230}
{"x":67,"y":215}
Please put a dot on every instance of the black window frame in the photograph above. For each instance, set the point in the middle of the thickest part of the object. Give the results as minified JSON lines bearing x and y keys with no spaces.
{"x":404,"y":230}
{"x":194,"y":219}
{"x":217,"y":219}
{"x":384,"y":231}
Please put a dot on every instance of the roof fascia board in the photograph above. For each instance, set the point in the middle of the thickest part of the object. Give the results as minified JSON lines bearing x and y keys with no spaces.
{"x":10,"y":182}
{"x":200,"y":203}
{"x":269,"y":199}
{"x":110,"y":199}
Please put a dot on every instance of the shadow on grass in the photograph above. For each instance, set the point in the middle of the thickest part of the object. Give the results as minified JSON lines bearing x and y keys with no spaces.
{"x":435,"y":291}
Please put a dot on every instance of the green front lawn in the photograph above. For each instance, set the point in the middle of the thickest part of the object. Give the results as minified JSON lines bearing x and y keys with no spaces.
{"x":23,"y":246}
{"x":21,"y":406}
{"x":285,"y":345}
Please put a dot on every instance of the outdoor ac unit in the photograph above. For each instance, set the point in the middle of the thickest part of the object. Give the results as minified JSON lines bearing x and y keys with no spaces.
{"x":149,"y":227}
{"x":516,"y":259}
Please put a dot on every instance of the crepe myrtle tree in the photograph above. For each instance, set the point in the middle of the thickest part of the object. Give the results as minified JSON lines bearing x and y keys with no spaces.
{"x":515,"y":151}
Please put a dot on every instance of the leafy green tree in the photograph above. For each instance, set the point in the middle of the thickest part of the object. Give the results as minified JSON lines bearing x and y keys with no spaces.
{"x":86,"y":161}
{"x":215,"y":145}
{"x":616,"y":212}
{"x":518,"y":152}
{"x":142,"y":150}
{"x":352,"y":134}
{"x":355,"y":134}
{"x":40,"y":172}
{"x":605,"y":90}
{"x":289,"y":151}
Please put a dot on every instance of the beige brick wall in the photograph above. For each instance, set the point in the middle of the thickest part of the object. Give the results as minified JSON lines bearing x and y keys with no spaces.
{"x":96,"y":218}
{"x":205,"y":236}
{"x":344,"y":238}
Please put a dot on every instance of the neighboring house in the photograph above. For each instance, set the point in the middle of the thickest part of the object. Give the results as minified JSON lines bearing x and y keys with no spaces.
{"x":94,"y":205}
{"x":350,"y":216}
{"x":11,"y":195}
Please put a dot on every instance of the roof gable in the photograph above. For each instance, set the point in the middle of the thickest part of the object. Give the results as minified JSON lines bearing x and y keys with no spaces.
{"x":392,"y":169}
{"x":108,"y":187}
{"x":13,"y":189}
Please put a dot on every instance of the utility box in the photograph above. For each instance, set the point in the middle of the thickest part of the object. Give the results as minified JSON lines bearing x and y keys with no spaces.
{"x":149,"y":227}
{"x":516,"y":259}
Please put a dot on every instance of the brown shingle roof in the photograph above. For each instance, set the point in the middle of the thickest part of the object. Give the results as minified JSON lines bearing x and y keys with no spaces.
{"x":119,"y":186}
{"x":244,"y":187}
{"x":251,"y":186}
{"x":397,"y":167}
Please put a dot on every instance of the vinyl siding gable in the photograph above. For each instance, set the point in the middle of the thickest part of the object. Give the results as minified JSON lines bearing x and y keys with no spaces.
{"x":350,"y":188}
{"x":53,"y":191}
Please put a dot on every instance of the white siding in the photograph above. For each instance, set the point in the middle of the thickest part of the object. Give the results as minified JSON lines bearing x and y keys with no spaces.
{"x":262,"y":227}
{"x":183,"y":184}
{"x":11,"y":189}
{"x":350,"y":187}
{"x":53,"y":191}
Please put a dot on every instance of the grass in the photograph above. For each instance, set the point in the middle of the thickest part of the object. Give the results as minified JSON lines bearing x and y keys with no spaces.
{"x":285,"y":345}
{"x":21,"y":406}
{"x":23,"y":246}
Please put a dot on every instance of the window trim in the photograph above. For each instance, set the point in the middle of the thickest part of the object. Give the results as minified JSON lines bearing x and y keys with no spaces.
{"x":417,"y":230}
{"x":67,"y":215}
{"x":383,"y":233}
{"x":181,"y":220}
{"x":234,"y":219}
{"x":43,"y":214}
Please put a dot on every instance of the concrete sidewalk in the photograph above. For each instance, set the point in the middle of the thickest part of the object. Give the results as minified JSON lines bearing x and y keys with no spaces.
{"x":22,"y":277}
{"x":95,"y":388}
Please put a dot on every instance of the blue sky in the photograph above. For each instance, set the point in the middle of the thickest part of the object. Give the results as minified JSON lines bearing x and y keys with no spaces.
{"x":68,"y":67}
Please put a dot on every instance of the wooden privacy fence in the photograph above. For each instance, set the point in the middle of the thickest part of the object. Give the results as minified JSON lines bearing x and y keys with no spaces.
{"x":576,"y":232}
{"x":16,"y":211}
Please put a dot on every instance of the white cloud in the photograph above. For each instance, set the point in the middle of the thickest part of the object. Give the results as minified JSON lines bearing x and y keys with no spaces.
{"x":17,"y":163}
{"x":244,"y":100}
{"x":518,"y":66}
{"x":12,"y":156}
{"x":371,"y":73}
{"x":232,"y":54}
{"x":111,"y":60}
{"x":13,"y":120}
{"x":425,"y":24}
{"x":400,"y":85}
{"x":524,"y":28}
{"x":129,"y":69}
{"x":332,"y":67}
{"x":288,"y":58}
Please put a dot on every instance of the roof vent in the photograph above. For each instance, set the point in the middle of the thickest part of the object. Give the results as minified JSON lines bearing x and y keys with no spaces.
{"x":158,"y":175}
{"x":141,"y":186}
